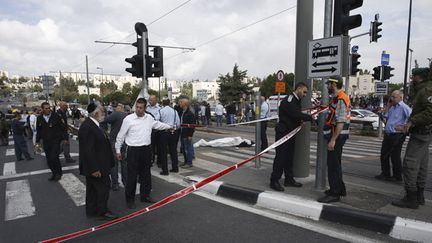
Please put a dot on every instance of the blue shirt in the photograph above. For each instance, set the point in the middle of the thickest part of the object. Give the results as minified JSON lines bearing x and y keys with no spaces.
{"x":265,"y":109}
{"x":154,"y":110}
{"x":397,"y":115}
{"x":169,"y":116}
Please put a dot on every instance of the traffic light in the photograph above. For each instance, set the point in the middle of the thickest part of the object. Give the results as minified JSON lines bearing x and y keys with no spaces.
{"x":387,"y":72}
{"x":342,"y":21}
{"x":374,"y":36}
{"x":155,"y":64}
{"x":354,"y":63}
{"x":377,"y":73}
{"x":137,"y":60}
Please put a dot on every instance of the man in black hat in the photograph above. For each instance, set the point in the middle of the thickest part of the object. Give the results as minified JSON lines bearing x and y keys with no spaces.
{"x":51,"y":129}
{"x":95,"y":162}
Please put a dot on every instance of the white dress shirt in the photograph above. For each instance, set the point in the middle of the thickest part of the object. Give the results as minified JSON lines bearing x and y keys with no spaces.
{"x":219,"y":110}
{"x":136,"y":131}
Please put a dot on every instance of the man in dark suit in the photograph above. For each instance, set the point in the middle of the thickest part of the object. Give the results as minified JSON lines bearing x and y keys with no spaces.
{"x":51,"y":128}
{"x":95,"y":162}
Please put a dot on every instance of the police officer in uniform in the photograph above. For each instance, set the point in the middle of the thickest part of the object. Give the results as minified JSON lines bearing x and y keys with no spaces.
{"x":290,"y":117}
{"x":168,"y":137}
{"x":415,"y":164}
{"x":336,"y":132}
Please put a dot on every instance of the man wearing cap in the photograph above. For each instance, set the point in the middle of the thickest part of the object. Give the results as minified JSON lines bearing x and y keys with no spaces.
{"x":95,"y":162}
{"x":336,"y":132}
{"x":419,"y":126}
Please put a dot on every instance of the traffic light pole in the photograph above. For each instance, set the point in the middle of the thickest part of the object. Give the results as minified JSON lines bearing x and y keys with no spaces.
{"x":144,"y":91}
{"x":258,"y":129}
{"x":304,"y":33}
{"x":88,"y":82}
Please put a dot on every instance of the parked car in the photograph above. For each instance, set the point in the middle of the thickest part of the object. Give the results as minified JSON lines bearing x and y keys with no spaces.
{"x":366,"y":116}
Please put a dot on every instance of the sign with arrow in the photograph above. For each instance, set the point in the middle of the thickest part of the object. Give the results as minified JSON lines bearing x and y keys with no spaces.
{"x":325,"y":57}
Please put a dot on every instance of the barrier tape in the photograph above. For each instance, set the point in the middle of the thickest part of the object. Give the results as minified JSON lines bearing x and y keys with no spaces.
{"x":191,"y":125}
{"x":177,"y":195}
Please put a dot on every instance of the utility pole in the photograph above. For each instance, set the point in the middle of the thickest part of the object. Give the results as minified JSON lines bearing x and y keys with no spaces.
{"x":321,"y":161}
{"x":88,"y":82}
{"x":304,"y":33}
{"x":258,"y":129}
{"x":61,"y":86}
{"x":405,"y":87}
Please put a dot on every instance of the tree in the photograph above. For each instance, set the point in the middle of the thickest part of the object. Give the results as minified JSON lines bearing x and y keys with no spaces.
{"x":37,"y":88}
{"x":127,"y":88}
{"x":393,"y":87}
{"x":107,"y":88}
{"x":118,"y":96}
{"x":232,"y":87}
{"x":22,"y":80}
{"x":186,"y":90}
{"x":267,"y":86}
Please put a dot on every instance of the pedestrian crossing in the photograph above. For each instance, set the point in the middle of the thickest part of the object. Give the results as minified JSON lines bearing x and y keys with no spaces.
{"x":19,"y":203}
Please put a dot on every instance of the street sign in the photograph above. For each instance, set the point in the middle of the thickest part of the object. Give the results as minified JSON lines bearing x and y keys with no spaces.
{"x":280,"y":87}
{"x":381,"y":88}
{"x":325,"y":57}
{"x":385,"y":59}
{"x":280,"y":75}
{"x":202,"y":94}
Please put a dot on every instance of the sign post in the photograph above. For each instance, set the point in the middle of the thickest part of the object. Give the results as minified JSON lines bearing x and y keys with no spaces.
{"x":280,"y":87}
{"x":325,"y":57}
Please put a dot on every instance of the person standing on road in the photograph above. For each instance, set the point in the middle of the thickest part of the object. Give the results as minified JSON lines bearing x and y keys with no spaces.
{"x":153,"y":108}
{"x":18,"y":130}
{"x":336,"y":132}
{"x":115,"y":119}
{"x":415,"y":164}
{"x":290,"y":117}
{"x":395,"y":114}
{"x":168,"y":137}
{"x":265,"y":110}
{"x":32,"y":121}
{"x":136,"y":131}
{"x":95,"y":162}
{"x":51,"y":129}
{"x":186,"y":134}
{"x":4,"y":130}
{"x":219,"y":111}
{"x":65,"y":144}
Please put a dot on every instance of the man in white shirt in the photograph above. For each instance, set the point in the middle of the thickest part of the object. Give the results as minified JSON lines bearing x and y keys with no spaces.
{"x":219,"y":111}
{"x":33,"y":118}
{"x":136,"y":132}
{"x":265,"y":109}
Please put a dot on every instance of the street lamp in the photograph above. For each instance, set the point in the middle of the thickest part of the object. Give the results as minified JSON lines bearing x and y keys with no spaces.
{"x":101,"y":71}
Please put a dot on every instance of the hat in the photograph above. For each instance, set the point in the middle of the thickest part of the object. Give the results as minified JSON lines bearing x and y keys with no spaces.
{"x":91,"y":107}
{"x":335,"y":79}
{"x":422,"y":72}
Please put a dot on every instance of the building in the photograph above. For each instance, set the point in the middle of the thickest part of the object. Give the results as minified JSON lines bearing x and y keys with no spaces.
{"x":361,"y":85}
{"x":82,"y":89}
{"x":205,"y":90}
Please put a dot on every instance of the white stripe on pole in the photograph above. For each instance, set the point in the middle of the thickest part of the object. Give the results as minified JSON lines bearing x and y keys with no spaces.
{"x":19,"y":203}
{"x":74,"y":188}
{"x":9,"y":168}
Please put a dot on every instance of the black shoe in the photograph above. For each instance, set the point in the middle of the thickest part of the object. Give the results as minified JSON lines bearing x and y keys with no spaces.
{"x":409,"y":201}
{"x":108,"y":216}
{"x":174,"y":170}
{"x":30,"y":159}
{"x":57,"y":177}
{"x":52,"y":178}
{"x":292,"y":182}
{"x":329,"y":199}
{"x":164,"y":173}
{"x":276,"y":186}
{"x":147,"y":199}
{"x":330,"y":193}
{"x":383,"y":177}
{"x":115,"y":187}
{"x":130,"y":205}
{"x":20,"y":159}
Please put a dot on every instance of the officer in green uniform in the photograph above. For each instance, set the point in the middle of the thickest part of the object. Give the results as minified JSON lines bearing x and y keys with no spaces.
{"x":415,"y":164}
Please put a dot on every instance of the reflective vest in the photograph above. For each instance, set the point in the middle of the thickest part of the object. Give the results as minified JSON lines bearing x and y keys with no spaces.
{"x":330,"y":123}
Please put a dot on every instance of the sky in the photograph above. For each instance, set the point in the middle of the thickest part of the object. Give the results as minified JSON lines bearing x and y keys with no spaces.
{"x":39,"y":36}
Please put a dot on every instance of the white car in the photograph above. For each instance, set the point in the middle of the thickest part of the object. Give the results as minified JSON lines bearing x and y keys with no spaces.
{"x":362,"y":115}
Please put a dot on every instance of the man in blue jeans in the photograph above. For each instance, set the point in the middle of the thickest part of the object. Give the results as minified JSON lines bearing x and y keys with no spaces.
{"x":186,"y":134}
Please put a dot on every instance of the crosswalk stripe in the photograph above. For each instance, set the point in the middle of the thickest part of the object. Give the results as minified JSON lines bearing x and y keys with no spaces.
{"x":19,"y":203}
{"x":10,"y":152}
{"x":61,"y":156}
{"x":9,"y":168}
{"x":210,"y":166}
{"x":11,"y":142}
{"x":74,"y":188}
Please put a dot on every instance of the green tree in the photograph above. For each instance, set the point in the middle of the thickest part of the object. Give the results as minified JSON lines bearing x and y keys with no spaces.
{"x":37,"y":88}
{"x":186,"y":90}
{"x":267,"y":86}
{"x":107,"y":88}
{"x":22,"y":79}
{"x":232,"y":87}
{"x":118,"y":96}
{"x":393,"y":87}
{"x":127,"y":88}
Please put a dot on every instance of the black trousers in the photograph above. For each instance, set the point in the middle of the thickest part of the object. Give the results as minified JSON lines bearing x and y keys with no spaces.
{"x":52,"y":152}
{"x":264,"y":141}
{"x":283,"y":161}
{"x":391,"y":149}
{"x":138,"y":165}
{"x":155,"y":138}
{"x":21,"y":147}
{"x":97,"y":194}
{"x":168,"y":144}
{"x":334,"y":169}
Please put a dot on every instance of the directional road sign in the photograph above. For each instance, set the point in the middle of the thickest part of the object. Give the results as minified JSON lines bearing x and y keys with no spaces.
{"x":385,"y":59}
{"x":381,"y":88}
{"x":325,"y":57}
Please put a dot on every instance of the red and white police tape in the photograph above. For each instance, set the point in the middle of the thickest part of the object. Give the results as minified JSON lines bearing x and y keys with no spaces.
{"x":176,"y":195}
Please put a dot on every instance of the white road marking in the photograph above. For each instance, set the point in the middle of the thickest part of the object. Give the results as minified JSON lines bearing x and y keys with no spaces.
{"x":10,"y":152}
{"x":207,"y":165}
{"x":9,"y":168}
{"x":11,"y":142}
{"x":74,"y":188}
{"x":19,"y":203}
{"x":36,"y":172}
{"x":61,"y":156}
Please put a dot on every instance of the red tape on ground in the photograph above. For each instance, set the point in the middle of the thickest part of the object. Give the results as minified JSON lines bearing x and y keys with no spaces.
{"x":176,"y":195}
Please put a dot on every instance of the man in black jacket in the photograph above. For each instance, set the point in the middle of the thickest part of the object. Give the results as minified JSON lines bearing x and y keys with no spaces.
{"x":51,"y":128}
{"x":186,"y":134}
{"x":95,"y":162}
{"x":18,"y":130}
{"x":290,"y":117}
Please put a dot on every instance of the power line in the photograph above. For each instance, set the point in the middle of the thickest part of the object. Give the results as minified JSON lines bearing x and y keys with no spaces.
{"x":167,"y":13}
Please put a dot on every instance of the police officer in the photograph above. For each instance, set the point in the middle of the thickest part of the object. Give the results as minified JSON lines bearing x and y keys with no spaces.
{"x":153,"y":108}
{"x":18,"y":130}
{"x":336,"y":132}
{"x":290,"y":117}
{"x":415,"y":164}
{"x":51,"y":128}
{"x":168,"y":137}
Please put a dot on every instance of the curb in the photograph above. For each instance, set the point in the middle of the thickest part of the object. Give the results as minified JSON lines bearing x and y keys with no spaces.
{"x":394,"y":226}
